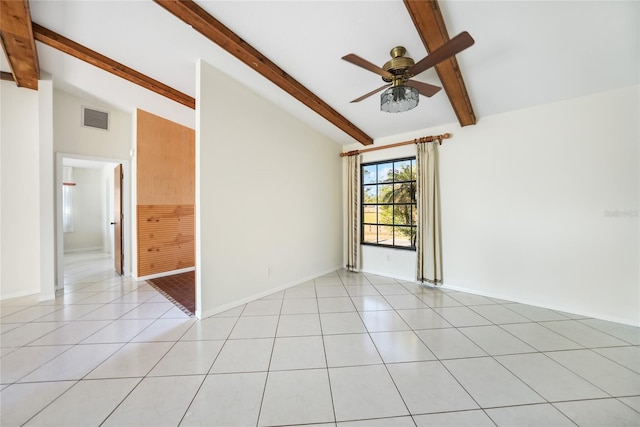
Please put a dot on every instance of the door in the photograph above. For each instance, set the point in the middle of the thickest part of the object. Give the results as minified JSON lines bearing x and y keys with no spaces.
{"x":117,"y":219}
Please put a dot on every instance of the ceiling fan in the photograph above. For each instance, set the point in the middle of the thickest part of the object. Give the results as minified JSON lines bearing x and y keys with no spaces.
{"x":402,"y":92}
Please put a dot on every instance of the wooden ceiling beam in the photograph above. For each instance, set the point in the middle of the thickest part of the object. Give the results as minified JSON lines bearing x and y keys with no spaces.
{"x":16,"y":37}
{"x":429,"y":22}
{"x":96,"y":59}
{"x":7,"y":76}
{"x":214,"y":30}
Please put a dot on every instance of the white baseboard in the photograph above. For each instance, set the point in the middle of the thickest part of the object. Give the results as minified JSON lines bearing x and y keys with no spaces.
{"x":92,"y":249}
{"x":20,"y":294}
{"x":554,"y":307}
{"x":512,"y":298}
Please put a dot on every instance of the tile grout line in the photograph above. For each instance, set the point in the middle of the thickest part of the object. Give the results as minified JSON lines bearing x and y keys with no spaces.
{"x":324,"y":351}
{"x":444,"y":366}
{"x":385,"y":363}
{"x":273,"y":344}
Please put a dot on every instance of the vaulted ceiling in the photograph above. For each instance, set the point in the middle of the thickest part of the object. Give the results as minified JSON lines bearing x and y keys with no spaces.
{"x":143,"y":54}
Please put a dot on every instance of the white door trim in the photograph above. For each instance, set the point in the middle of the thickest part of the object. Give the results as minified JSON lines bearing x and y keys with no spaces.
{"x":126,"y":207}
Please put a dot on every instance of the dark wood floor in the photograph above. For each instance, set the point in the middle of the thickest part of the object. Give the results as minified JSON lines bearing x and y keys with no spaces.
{"x":179,"y":288}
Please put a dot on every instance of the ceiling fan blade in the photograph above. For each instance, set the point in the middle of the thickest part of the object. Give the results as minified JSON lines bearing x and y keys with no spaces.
{"x":373,"y":92}
{"x":360,"y":62}
{"x":424,"y":88}
{"x":447,"y":50}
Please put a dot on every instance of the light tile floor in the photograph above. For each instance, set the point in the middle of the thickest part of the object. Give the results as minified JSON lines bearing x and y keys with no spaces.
{"x":344,"y":349}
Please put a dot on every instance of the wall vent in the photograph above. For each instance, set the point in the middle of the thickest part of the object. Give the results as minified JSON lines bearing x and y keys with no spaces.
{"x":95,"y":118}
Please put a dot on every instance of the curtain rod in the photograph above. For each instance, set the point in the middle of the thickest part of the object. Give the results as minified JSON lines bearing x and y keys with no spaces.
{"x":432,"y":138}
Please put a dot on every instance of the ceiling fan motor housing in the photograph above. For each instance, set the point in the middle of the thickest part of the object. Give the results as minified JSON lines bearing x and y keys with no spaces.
{"x":399,"y":71}
{"x":398,"y":65}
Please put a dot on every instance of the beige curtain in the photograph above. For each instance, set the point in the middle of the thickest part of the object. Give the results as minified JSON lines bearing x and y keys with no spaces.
{"x":428,"y":239}
{"x":353,"y":212}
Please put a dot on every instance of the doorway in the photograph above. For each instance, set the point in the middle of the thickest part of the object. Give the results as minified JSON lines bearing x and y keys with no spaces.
{"x":87,"y":196}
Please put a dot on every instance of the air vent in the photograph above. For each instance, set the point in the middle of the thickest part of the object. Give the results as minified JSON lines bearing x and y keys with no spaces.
{"x":95,"y":118}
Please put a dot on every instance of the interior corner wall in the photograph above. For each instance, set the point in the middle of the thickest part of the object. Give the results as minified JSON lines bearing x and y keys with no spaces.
{"x":540,"y":205}
{"x":20,"y":192}
{"x":268,"y":200}
{"x":134,"y":192}
{"x":46,"y":177}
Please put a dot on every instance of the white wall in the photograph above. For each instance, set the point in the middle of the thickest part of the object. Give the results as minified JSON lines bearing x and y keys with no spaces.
{"x":268,"y":202}
{"x":20,"y":191}
{"x":541,"y":206}
{"x":88,"y":208}
{"x":26,"y":194}
{"x":71,"y":137}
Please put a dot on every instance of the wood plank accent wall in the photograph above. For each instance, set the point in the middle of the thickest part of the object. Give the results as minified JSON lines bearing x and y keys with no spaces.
{"x":166,"y":162}
{"x":165,"y":195}
{"x":168,"y":235}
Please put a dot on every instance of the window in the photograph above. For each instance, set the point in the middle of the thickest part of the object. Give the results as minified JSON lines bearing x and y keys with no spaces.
{"x":67,"y":199}
{"x":389,"y":203}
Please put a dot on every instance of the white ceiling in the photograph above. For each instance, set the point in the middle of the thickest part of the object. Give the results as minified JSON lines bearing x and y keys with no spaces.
{"x":526,"y":53}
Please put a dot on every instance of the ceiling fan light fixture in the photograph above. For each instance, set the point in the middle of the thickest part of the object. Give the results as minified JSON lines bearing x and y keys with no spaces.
{"x":398,"y":99}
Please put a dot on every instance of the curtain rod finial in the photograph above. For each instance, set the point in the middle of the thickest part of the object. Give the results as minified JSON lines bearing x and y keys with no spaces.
{"x":350,"y":153}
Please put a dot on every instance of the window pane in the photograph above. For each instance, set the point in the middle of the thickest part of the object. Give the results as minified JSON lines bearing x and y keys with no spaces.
{"x":385,"y":214}
{"x":369,"y":175}
{"x":403,"y":193}
{"x":414,"y":215}
{"x":67,"y":208}
{"x":385,"y":172}
{"x":369,"y":195}
{"x":385,"y":235}
{"x":385,"y":193}
{"x":403,"y":236}
{"x":402,"y":170}
{"x":402,"y":214}
{"x":369,"y":234}
{"x":369,"y":215}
